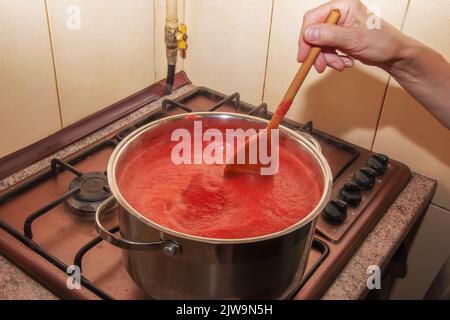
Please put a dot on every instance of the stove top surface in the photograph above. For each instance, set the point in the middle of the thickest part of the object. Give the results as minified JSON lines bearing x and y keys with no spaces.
{"x":48,"y":218}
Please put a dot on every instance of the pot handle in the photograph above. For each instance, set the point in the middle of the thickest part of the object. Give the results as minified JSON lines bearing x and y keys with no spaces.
{"x":168,"y":247}
{"x":312,"y":140}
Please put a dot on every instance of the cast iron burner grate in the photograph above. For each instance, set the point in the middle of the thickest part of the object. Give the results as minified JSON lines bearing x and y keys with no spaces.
{"x":88,"y":190}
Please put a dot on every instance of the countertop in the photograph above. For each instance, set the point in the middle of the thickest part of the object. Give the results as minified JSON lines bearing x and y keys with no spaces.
{"x":376,"y":249}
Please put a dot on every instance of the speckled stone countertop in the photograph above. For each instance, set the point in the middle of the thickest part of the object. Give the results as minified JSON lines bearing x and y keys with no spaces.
{"x":350,"y":283}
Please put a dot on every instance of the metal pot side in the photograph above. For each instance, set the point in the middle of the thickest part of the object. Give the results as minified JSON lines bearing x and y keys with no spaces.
{"x":266,"y":267}
{"x":269,"y":269}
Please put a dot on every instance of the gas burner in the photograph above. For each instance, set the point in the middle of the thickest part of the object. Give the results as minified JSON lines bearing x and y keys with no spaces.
{"x":93,"y":190}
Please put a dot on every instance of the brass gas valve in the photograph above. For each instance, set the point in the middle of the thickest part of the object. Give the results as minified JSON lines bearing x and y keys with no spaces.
{"x":182,"y":40}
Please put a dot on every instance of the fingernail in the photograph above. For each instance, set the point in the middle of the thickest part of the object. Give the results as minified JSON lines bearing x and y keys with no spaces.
{"x":335,"y":65}
{"x":348,"y":63}
{"x":312,"y":34}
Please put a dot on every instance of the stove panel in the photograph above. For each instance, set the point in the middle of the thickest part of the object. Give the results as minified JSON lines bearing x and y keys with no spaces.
{"x":63,"y":238}
{"x":335,"y":231}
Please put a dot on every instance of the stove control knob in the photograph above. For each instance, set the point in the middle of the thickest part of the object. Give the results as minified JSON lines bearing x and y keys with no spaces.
{"x":378,"y":162}
{"x":335,"y":211}
{"x":351,"y":193}
{"x":381,"y":158}
{"x":364,"y":179}
{"x":370,"y":172}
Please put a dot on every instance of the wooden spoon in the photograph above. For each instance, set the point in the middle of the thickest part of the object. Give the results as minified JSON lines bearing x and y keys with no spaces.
{"x":286,"y":102}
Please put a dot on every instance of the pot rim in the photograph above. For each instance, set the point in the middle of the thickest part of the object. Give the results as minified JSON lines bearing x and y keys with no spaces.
{"x":298,"y":137}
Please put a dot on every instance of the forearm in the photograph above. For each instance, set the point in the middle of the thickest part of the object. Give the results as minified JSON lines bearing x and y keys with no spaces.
{"x":425,"y":74}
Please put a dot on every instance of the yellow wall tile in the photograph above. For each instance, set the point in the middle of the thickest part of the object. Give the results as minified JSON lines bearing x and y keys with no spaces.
{"x":346,"y":104}
{"x":228,"y":45}
{"x":109,"y":58}
{"x":28,"y":100}
{"x":160,"y":47}
{"x":407,"y":131}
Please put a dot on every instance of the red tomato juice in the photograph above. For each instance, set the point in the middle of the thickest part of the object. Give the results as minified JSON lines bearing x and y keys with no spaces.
{"x":196,"y":199}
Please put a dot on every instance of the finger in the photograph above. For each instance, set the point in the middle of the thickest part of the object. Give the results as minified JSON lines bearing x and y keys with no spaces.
{"x":303,"y":51}
{"x":348,"y":61}
{"x":320,"y":64}
{"x":334,"y":61}
{"x":332,"y":36}
{"x":317,"y":15}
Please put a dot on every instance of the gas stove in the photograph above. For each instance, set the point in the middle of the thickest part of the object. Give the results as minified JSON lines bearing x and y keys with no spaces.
{"x":46,"y":221}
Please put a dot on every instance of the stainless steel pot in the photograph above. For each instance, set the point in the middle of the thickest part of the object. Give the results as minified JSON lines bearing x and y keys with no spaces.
{"x":168,"y":264}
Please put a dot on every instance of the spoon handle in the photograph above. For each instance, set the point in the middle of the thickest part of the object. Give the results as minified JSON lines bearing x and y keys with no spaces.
{"x":299,"y":78}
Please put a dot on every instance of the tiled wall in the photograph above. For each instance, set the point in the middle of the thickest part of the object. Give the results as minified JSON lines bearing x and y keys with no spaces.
{"x":228,"y":42}
{"x":410,"y":134}
{"x":53,"y":73}
{"x":108,"y":58}
{"x":28,"y":99}
{"x":407,"y":131}
{"x":52,"y":76}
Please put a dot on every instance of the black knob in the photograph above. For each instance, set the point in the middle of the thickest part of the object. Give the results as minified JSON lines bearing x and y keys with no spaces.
{"x":335,"y":211}
{"x":351,"y":193}
{"x":383,"y":159}
{"x":371,"y":172}
{"x":378,"y":162}
{"x":363,"y":179}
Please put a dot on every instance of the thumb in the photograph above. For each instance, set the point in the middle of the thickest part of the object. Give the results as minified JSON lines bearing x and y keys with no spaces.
{"x":331,"y":36}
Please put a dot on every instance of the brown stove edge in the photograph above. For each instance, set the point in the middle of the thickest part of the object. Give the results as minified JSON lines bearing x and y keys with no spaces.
{"x":46,"y":274}
{"x":36,"y":151}
{"x":347,"y":246}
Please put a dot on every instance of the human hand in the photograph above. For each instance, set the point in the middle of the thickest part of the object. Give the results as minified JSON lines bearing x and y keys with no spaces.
{"x":382,"y":46}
